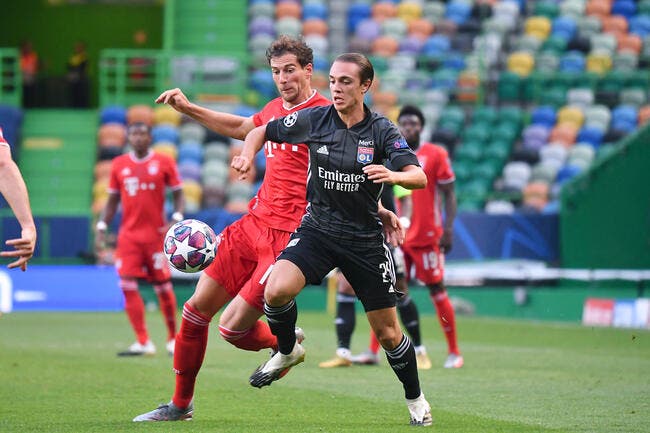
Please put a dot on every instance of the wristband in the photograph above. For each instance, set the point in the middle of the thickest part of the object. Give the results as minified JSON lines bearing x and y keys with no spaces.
{"x":101,"y":226}
{"x":406,"y":222}
{"x":177,"y":217}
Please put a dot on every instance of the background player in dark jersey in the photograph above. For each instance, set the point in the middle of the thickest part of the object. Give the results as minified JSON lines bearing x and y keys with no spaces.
{"x":138,"y":180}
{"x":341,"y":228}
{"x":345,"y":320}
{"x":428,"y":237}
{"x":14,"y":190}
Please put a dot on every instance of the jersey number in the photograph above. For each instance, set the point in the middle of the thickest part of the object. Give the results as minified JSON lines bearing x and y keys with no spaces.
{"x":430,"y":260}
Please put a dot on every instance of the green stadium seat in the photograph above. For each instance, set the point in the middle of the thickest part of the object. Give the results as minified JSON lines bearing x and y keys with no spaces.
{"x":509,"y":87}
{"x":546,"y":8}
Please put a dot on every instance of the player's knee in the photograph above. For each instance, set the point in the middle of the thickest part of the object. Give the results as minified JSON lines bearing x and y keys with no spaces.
{"x":437,"y":288}
{"x":279,"y":291}
{"x":389,"y":337}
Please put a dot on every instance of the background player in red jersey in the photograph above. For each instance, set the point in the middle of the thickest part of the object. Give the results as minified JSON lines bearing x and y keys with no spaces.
{"x":429,"y":237}
{"x":14,"y":190}
{"x":138,"y":180}
{"x":249,"y":246}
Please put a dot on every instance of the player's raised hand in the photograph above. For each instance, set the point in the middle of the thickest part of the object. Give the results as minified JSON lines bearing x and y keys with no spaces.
{"x":379,"y":174}
{"x":23,"y":248}
{"x":242,"y":164}
{"x":175,"y":98}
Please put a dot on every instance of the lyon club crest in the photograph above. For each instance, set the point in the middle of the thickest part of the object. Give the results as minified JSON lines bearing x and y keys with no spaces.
{"x":365,"y":154}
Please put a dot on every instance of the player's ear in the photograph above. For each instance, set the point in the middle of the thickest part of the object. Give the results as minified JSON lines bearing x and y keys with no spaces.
{"x":365,"y":86}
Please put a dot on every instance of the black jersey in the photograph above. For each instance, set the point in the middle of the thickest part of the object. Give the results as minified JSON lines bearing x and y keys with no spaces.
{"x":342,"y":200}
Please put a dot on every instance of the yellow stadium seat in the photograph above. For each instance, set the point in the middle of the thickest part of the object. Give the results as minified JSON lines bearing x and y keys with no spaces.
{"x":599,"y":62}
{"x":409,"y":10}
{"x":521,"y":63}
{"x":570,"y":115}
{"x":538,"y":26}
{"x":166,"y":148}
{"x":166,"y":114}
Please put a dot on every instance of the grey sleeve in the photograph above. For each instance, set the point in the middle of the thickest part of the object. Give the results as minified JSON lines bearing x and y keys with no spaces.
{"x":293,"y":128}
{"x":396,"y":151}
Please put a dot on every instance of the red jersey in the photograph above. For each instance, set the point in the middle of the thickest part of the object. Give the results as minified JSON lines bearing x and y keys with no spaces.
{"x":426,"y":219}
{"x":281,"y":201}
{"x":141,"y":184}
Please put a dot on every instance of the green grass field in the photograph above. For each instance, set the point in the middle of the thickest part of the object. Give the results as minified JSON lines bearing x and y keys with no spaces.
{"x":59,"y":373}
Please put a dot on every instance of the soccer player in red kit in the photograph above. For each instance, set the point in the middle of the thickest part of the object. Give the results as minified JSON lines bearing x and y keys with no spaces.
{"x":248,"y":247}
{"x":138,"y":180}
{"x":429,"y":237}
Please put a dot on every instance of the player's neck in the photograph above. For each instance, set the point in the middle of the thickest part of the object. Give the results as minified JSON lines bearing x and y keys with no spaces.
{"x":309,"y":92}
{"x":352,"y":117}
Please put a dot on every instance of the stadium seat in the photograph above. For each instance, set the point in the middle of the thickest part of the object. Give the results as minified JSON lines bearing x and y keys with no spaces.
{"x":564,"y":27}
{"x":570,"y":115}
{"x":546,"y":8}
{"x":383,"y":10}
{"x":593,"y":135}
{"x":288,"y":8}
{"x":598,"y":8}
{"x":165,"y":133}
{"x":420,"y":28}
{"x":625,"y":8}
{"x":572,"y":61}
{"x":385,"y":46}
{"x":536,"y":195}
{"x":516,"y":174}
{"x":629,"y":43}
{"x":190,"y":170}
{"x":111,"y":134}
{"x":113,"y":114}
{"x":538,"y":26}
{"x":644,"y":115}
{"x":521,"y":63}
{"x":599,"y":62}
{"x":164,"y":114}
{"x":313,"y":9}
{"x":288,"y":25}
{"x":140,"y":113}
{"x":190,"y":151}
{"x":544,"y":171}
{"x":564,"y":133}
{"x":589,"y":26}
{"x":614,"y":24}
{"x":635,"y":97}
{"x":315,"y":26}
{"x":192,"y":131}
{"x":580,"y":97}
{"x":166,"y":148}
{"x":572,"y":8}
{"x":535,"y":136}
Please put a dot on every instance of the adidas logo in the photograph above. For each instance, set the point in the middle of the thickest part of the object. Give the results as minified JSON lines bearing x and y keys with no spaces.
{"x":323,"y":150}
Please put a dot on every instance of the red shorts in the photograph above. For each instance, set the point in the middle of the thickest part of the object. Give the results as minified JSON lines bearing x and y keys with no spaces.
{"x":244,"y":258}
{"x":428,"y":261}
{"x":142,"y":260}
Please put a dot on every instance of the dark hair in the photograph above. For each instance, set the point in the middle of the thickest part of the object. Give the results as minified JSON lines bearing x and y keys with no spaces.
{"x":137,"y":125}
{"x":288,"y":45}
{"x":366,"y":71}
{"x":411,"y":110}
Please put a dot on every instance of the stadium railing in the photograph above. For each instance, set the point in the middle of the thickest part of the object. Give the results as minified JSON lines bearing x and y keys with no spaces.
{"x":11,"y":85}
{"x":128,"y":77}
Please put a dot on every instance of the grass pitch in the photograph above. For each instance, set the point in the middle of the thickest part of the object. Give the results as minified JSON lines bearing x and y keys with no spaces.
{"x":59,"y":373}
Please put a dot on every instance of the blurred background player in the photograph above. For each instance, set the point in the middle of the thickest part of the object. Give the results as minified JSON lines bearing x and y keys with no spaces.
{"x":138,"y":180}
{"x":345,"y":320}
{"x":249,"y":246}
{"x":14,"y":190}
{"x":428,"y":237}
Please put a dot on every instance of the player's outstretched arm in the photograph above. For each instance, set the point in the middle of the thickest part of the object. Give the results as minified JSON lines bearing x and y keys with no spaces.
{"x":226,"y":124}
{"x":14,"y":190}
{"x":253,"y":143}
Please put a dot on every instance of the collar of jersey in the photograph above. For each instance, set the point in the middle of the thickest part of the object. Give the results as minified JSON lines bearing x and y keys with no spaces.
{"x":297,"y":106}
{"x":340,"y":123}
{"x":143,"y":159}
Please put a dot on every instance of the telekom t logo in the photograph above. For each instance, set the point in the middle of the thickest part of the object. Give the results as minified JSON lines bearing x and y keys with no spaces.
{"x":131,"y":185}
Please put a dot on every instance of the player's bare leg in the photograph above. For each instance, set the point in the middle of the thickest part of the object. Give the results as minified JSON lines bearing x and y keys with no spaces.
{"x":401,"y":357}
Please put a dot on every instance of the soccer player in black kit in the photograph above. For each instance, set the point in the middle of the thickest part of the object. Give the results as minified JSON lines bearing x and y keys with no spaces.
{"x":347,"y":145}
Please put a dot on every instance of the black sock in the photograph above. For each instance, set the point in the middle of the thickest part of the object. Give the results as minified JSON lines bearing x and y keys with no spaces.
{"x":282,"y":321}
{"x":402,"y":361}
{"x":345,"y":319}
{"x":408,"y":312}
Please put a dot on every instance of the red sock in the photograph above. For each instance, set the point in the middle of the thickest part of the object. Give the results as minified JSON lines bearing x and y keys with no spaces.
{"x":167,"y":301}
{"x":374,"y":343}
{"x":191,"y":342}
{"x":256,"y":338}
{"x":447,"y":320}
{"x":134,"y":307}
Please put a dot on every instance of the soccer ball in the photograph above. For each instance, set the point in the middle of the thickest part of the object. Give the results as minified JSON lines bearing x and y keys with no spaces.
{"x":190,"y":245}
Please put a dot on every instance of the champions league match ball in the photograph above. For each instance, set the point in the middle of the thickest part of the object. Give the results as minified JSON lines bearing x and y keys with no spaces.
{"x":190,"y":245}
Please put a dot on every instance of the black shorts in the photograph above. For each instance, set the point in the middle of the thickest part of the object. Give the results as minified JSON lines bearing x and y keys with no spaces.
{"x":368,"y":267}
